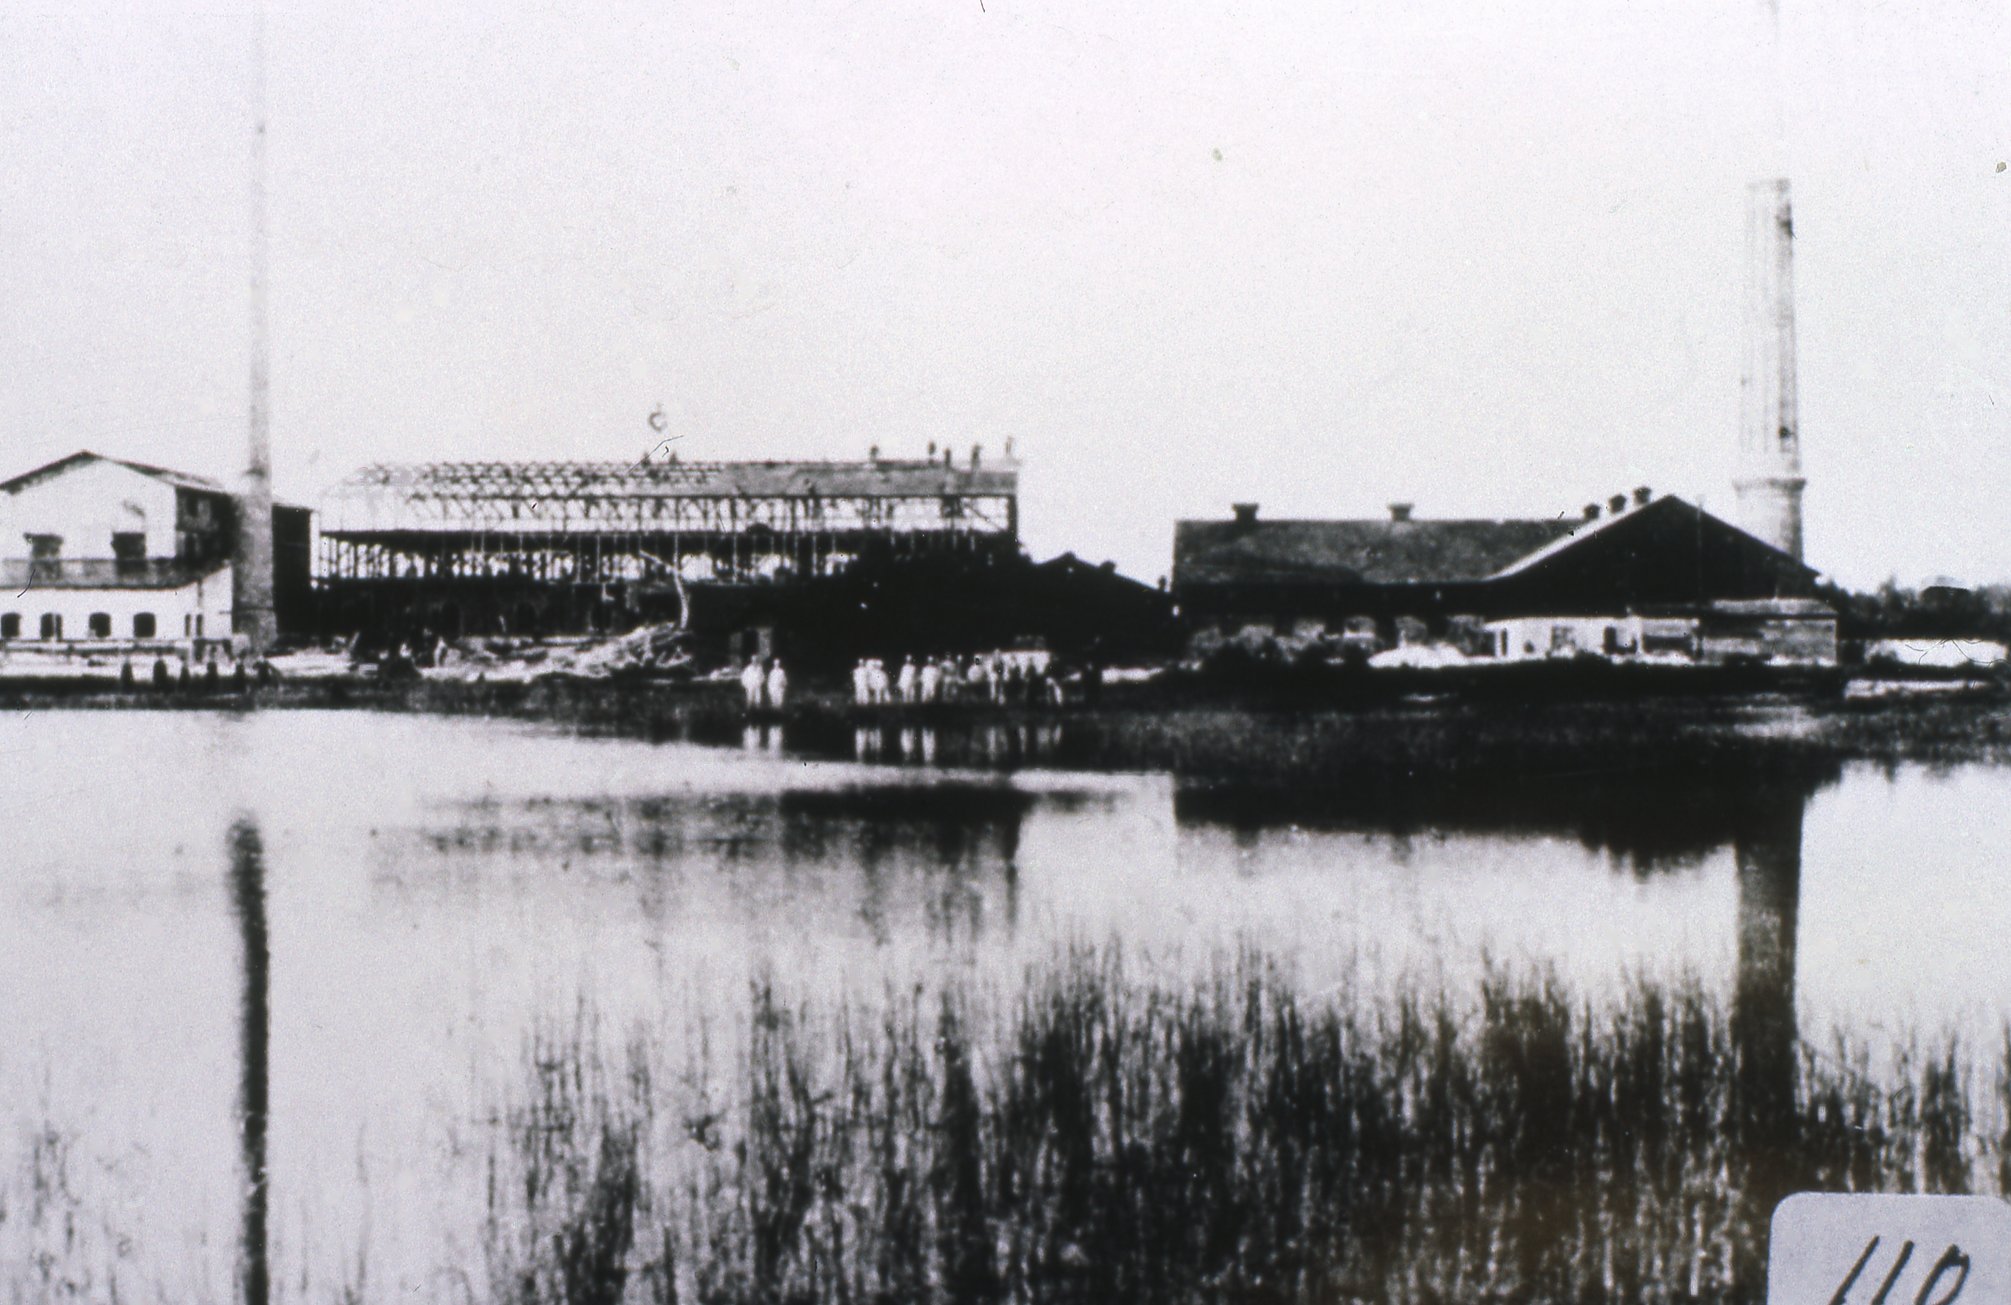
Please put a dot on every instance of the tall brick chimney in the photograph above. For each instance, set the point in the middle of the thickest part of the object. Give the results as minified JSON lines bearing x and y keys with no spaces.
{"x":251,"y":568}
{"x":1769,"y":479}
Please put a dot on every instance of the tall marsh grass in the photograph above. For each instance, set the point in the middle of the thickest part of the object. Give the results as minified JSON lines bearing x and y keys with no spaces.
{"x":1101,"y":1137}
{"x":1105,"y":1134}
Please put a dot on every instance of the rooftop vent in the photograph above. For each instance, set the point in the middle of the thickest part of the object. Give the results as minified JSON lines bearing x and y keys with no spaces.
{"x":1591,"y":511}
{"x":1643,"y":496}
{"x":1400,"y":511}
{"x":1617,"y":504}
{"x":1246,"y":513}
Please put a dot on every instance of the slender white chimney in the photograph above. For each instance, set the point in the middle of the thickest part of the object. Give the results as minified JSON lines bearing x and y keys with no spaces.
{"x":1770,"y":482}
{"x":251,"y":572}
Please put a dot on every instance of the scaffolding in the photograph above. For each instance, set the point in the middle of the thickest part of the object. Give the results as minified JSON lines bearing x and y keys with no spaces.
{"x":567,"y":544}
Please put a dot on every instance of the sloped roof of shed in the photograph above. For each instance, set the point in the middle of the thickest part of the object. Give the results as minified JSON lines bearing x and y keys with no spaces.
{"x":1381,"y":552}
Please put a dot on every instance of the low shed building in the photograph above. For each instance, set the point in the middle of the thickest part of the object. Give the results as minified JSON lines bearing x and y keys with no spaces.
{"x":1638,"y":576}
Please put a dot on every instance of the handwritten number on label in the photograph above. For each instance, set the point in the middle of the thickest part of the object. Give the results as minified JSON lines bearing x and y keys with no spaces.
{"x":1952,"y":1260}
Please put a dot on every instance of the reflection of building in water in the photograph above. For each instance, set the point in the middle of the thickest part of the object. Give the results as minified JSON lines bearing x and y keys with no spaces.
{"x":941,"y":853}
{"x":1652,"y":819}
{"x":1650,"y":816}
{"x":247,"y":885}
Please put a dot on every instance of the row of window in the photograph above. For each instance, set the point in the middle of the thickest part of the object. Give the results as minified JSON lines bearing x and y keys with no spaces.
{"x":100,"y":623}
{"x":127,"y":546}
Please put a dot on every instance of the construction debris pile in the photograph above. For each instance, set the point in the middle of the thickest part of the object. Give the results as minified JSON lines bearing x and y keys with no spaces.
{"x":654,"y":651}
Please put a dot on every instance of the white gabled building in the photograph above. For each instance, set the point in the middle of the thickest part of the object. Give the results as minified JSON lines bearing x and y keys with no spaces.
{"x":99,"y":551}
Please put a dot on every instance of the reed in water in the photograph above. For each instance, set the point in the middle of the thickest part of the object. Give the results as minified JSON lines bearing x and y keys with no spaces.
{"x":1099,"y":1136}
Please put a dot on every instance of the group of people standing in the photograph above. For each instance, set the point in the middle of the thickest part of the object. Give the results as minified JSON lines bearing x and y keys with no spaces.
{"x":765,"y":683}
{"x":211,"y":678}
{"x":987,"y":678}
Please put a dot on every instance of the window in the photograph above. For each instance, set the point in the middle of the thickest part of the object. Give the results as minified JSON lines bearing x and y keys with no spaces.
{"x":143,"y":625}
{"x":10,"y":625}
{"x":101,"y":625}
{"x":129,"y":549}
{"x":198,"y":627}
{"x":52,"y":625}
{"x":44,"y":552}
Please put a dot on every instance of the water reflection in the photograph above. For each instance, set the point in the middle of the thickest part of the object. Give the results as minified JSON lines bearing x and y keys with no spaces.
{"x":945,"y":853}
{"x":247,"y":895}
{"x":1768,"y":853}
{"x":991,"y":745}
{"x":431,"y":915}
{"x":1649,"y":818}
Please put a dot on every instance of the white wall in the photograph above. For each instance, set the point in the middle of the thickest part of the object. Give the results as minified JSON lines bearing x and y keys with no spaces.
{"x":86,"y":505}
{"x":1531,"y":637}
{"x":173,"y":611}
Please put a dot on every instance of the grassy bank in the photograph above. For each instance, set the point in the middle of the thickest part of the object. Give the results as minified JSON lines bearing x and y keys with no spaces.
{"x":1103,"y":1138}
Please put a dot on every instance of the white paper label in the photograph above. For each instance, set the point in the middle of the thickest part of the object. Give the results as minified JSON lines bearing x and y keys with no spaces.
{"x":1829,"y":1249}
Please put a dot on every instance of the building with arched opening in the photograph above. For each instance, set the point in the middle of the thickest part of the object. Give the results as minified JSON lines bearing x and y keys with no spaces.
{"x":97,"y":551}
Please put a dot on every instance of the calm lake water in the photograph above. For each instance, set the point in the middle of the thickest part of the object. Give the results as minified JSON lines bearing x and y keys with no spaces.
{"x":432,"y":892}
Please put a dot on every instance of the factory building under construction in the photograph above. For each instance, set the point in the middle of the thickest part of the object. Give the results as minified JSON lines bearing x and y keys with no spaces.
{"x":572,"y":547}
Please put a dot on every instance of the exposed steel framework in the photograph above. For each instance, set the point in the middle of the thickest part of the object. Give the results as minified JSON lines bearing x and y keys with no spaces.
{"x":621,"y":532}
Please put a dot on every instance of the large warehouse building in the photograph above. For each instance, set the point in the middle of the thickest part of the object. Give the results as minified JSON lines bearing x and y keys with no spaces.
{"x":1614,"y":579}
{"x":552,"y":547}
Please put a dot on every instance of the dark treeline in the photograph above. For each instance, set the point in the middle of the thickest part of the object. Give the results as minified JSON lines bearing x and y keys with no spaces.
{"x":1105,"y":1139}
{"x":1939,"y":611}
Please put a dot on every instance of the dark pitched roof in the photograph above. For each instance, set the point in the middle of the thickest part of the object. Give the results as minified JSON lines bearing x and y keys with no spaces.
{"x":1379,"y":552}
{"x":179,"y":479}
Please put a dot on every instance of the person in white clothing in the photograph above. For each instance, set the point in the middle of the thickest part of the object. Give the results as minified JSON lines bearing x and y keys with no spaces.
{"x":778,"y":685}
{"x":862,"y":682}
{"x":753,"y":681}
{"x":905,"y":682}
{"x":932,"y":682}
{"x":876,"y":682}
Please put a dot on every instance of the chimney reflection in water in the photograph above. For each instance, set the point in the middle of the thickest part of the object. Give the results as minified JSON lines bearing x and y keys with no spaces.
{"x":1767,"y":847}
{"x":247,"y":890}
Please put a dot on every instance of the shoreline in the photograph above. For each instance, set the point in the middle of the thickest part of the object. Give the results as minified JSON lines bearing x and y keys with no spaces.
{"x":1385,"y":728}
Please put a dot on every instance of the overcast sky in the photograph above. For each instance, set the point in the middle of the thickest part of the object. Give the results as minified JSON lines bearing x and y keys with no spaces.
{"x":1485,"y":257}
